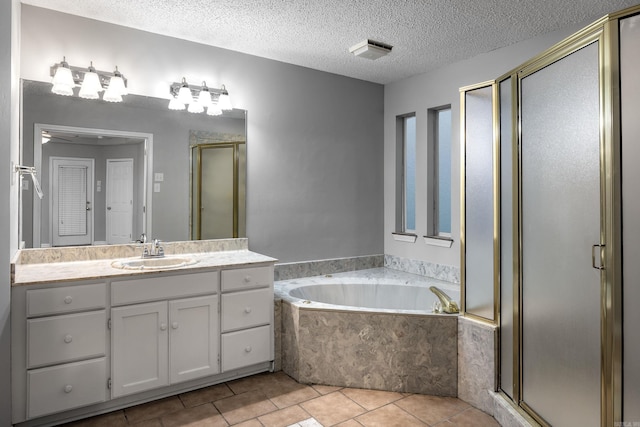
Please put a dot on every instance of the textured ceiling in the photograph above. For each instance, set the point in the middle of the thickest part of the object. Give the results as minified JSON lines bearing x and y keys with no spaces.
{"x":426,"y":34}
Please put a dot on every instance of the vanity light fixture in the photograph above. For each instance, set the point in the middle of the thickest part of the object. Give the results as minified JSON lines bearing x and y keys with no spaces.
{"x":91,"y":82}
{"x":199,"y":98}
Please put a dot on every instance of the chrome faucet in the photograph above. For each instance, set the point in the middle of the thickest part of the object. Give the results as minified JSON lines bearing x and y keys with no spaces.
{"x":448,"y":305}
{"x":154,"y":250}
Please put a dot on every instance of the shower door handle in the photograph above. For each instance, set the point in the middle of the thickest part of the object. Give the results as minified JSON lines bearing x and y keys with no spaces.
{"x":600,"y":265}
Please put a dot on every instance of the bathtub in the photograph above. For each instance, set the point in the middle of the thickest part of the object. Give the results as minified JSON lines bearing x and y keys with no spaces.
{"x":372,"y":329}
{"x":377,"y":296}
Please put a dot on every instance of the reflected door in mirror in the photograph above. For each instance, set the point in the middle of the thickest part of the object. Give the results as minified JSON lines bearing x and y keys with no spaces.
{"x":217,"y":190}
{"x":71,"y":200}
{"x":119,"y":213}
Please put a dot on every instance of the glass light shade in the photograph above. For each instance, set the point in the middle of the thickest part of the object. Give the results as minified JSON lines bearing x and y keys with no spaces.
{"x":112,"y":96}
{"x":195,"y":107}
{"x":214,"y":110}
{"x":63,"y":81}
{"x":204,"y":98}
{"x":184,"y":95}
{"x":174,"y":104}
{"x":90,"y":86}
{"x":116,"y":85}
{"x":224,"y":102}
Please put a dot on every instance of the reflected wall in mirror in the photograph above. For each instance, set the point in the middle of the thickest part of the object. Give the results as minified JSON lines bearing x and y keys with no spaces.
{"x":145,"y":138}
{"x":94,"y":184}
{"x":218,"y":185}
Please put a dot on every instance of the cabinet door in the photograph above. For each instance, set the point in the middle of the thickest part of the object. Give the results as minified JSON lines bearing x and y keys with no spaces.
{"x":193,"y":342}
{"x":139,"y":346}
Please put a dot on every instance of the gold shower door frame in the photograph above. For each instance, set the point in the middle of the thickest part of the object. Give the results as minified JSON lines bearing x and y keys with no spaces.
{"x":605,"y":32}
{"x":197,"y":185}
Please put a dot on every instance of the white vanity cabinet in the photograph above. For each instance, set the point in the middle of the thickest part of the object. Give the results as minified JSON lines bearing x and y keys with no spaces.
{"x":247,"y":317}
{"x":163,"y":342}
{"x":88,"y":346}
{"x":66,"y":348}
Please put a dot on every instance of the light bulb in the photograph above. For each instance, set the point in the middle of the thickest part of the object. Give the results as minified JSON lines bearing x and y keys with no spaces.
{"x":184,"y":94}
{"x":195,"y":107}
{"x":174,"y":104}
{"x":112,"y":96}
{"x":224,"y":102}
{"x":205,"y":97}
{"x":214,"y":110}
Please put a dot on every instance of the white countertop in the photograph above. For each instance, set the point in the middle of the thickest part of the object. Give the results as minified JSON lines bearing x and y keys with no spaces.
{"x":34,"y":273}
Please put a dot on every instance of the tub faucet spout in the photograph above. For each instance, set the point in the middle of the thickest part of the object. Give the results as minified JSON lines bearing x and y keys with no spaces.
{"x":448,"y":305}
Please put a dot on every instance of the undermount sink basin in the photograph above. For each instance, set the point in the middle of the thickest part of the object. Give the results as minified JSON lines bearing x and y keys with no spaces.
{"x":153,"y":263}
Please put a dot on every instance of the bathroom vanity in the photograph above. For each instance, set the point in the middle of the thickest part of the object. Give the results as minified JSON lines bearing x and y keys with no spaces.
{"x":92,"y":336}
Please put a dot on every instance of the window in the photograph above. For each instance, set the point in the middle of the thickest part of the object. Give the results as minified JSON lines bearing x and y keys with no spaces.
{"x":440,"y":176}
{"x":406,"y":175}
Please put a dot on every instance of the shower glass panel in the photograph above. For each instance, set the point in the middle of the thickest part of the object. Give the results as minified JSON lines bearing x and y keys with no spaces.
{"x":560,"y":149}
{"x":630,"y":110}
{"x":216,"y":193}
{"x":506,"y":238}
{"x":478,"y":193}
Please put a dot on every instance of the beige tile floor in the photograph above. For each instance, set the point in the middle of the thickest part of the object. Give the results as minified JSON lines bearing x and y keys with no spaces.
{"x":275,"y":399}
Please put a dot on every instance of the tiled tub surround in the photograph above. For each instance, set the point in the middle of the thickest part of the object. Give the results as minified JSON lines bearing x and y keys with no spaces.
{"x":442,"y":272}
{"x":395,"y":350}
{"x":296,"y":270}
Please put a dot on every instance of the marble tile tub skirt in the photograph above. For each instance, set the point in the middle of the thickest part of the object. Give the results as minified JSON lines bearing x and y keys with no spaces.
{"x":382,"y":351}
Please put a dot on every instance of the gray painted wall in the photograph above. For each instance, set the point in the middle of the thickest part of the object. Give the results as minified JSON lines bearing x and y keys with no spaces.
{"x":420,"y":93}
{"x":9,"y":127}
{"x":314,"y":140}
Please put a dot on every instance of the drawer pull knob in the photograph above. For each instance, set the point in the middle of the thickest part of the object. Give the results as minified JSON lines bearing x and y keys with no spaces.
{"x":68,"y":388}
{"x":68,"y":299}
{"x":174,"y":325}
{"x":247,"y":310}
{"x":68,"y":338}
{"x":247,"y":279}
{"x":163,"y":326}
{"x":248,"y":349}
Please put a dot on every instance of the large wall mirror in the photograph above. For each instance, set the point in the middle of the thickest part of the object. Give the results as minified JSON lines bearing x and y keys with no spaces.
{"x":111,"y":172}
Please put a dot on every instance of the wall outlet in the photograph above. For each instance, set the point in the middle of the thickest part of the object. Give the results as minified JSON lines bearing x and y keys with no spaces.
{"x":156,"y":187}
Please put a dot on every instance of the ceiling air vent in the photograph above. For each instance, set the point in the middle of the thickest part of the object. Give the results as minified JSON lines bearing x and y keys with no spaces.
{"x":370,"y":49}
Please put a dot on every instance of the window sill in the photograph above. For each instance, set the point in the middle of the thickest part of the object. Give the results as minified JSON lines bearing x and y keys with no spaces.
{"x":405,"y":237}
{"x":443,"y":242}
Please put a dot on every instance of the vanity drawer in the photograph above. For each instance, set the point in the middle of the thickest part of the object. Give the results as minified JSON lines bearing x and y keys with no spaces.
{"x":246,"y":309}
{"x":246,"y":348}
{"x":64,"y":338}
{"x":247,"y":278}
{"x":164,"y":287}
{"x":62,"y":387}
{"x":66,"y":299}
